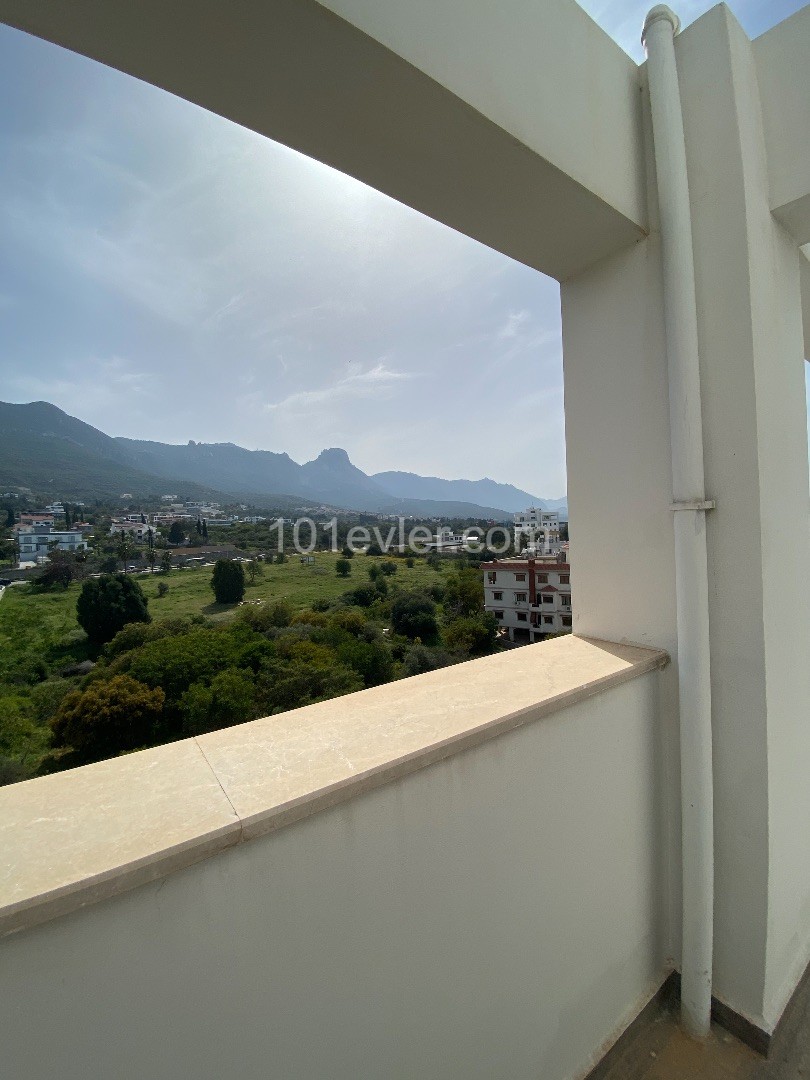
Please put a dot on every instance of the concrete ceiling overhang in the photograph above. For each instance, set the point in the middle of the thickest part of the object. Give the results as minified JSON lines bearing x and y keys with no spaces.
{"x":533,"y":149}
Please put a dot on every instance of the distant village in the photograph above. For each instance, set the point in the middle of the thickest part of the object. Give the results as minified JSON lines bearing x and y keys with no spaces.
{"x":527,"y":591}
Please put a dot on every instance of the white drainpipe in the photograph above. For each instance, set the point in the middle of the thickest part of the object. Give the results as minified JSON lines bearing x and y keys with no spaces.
{"x":689,"y":506}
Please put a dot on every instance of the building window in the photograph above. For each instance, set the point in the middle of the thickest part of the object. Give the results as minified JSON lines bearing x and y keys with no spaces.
{"x":522,"y":616}
{"x":520,"y":577}
{"x":498,"y":614}
{"x":565,"y":579}
{"x":492,"y":577}
{"x":548,"y":598}
{"x":548,"y":620}
{"x":565,"y":599}
{"x":566,"y":620}
{"x":520,"y":597}
{"x":497,"y":596}
{"x":542,"y":579}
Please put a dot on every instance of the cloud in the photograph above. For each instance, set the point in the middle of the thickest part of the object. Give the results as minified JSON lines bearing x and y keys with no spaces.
{"x":515,"y":321}
{"x":375,"y":382}
{"x":90,"y":389}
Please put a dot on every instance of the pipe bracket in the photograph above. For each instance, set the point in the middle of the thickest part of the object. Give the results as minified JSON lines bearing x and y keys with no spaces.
{"x":695,"y":504}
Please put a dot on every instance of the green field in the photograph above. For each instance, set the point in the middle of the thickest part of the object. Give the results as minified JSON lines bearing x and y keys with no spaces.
{"x":219,"y":675}
{"x":41,"y":626}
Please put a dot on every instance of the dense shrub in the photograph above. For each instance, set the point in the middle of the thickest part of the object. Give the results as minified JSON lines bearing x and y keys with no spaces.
{"x":414,"y":616}
{"x":261,"y":617}
{"x":371,"y":660}
{"x":473,"y":635}
{"x":417,"y":660}
{"x":363,"y":596}
{"x":229,"y":699}
{"x":107,"y":718}
{"x":136,"y":634}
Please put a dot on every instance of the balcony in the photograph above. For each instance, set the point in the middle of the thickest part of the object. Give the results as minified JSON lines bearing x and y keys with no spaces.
{"x":397,"y":883}
{"x":478,"y":873}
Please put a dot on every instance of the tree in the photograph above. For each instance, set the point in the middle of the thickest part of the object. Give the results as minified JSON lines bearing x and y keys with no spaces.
{"x":464,"y":593}
{"x":347,"y":552}
{"x":106,"y":604}
{"x":107,"y":718}
{"x":371,"y":660}
{"x":255,"y":570}
{"x":474,"y":634}
{"x":59,"y":571}
{"x":123,"y":549}
{"x":205,"y":529}
{"x":228,"y":581}
{"x":343,"y":567}
{"x":10,"y":522}
{"x":229,"y":699}
{"x":163,"y":588}
{"x":414,"y":615}
{"x":199,"y":527}
{"x":176,"y":534}
{"x":165,"y":562}
{"x":362,"y":596}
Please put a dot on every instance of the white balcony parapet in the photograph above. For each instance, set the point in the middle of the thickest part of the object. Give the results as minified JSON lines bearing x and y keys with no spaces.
{"x":78,"y":837}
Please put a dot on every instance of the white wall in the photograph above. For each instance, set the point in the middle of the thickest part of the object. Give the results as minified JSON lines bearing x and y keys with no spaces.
{"x":755,"y":440}
{"x":755,"y":432}
{"x":494,"y":915}
{"x":619,"y":485}
{"x":784,"y":90}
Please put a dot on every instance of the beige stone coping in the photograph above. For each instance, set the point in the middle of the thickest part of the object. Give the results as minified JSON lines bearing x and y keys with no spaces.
{"x":76,"y":837}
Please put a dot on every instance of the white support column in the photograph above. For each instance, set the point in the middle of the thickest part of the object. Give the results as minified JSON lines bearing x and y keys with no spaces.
{"x":755,"y":437}
{"x":755,"y":448}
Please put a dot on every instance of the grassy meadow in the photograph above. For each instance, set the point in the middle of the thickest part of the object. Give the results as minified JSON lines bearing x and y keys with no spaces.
{"x":41,"y":627}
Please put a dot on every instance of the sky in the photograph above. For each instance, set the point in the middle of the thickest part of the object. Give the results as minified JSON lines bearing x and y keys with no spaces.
{"x":165,"y":274}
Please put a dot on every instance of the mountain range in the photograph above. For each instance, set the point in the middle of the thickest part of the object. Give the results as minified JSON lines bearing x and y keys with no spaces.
{"x":45,"y":449}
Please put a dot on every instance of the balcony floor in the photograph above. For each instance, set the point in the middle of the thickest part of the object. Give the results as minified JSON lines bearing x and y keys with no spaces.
{"x":661,"y":1051}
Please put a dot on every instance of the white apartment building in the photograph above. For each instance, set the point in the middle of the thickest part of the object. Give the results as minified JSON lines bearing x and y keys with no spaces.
{"x":169,"y":518}
{"x":537,"y":529}
{"x":137,"y":529}
{"x":35,"y":542}
{"x":530,"y":598}
{"x":445,"y":540}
